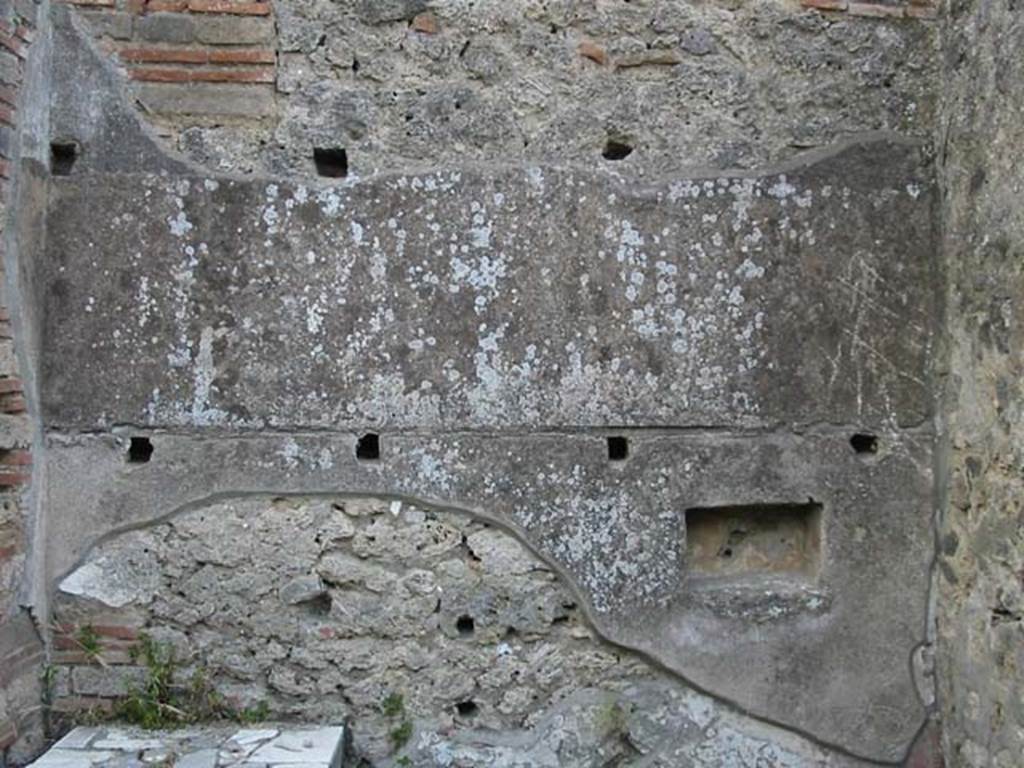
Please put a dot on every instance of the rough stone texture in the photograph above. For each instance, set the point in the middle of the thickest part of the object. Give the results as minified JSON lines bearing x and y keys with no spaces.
{"x":524,"y":680}
{"x":981,"y":619}
{"x":496,"y":323}
{"x":723,"y":83}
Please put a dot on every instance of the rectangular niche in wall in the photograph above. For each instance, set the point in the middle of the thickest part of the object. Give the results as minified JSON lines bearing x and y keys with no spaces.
{"x":754,"y":539}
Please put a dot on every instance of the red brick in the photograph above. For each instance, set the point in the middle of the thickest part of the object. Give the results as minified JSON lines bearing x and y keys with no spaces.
{"x":825,"y":5}
{"x":92,"y":3}
{"x":10,"y":383}
{"x":921,"y":12}
{"x":8,"y":734}
{"x":6,"y":115}
{"x":117,"y":631}
{"x":229,"y":6}
{"x":5,"y":169}
{"x":8,"y":95}
{"x":263,"y":75}
{"x":4,"y":314}
{"x":927,"y":749}
{"x":172,"y":6}
{"x":876,"y":11}
{"x":26,"y":33}
{"x":198,"y":55}
{"x":14,"y":44}
{"x":16,"y":458}
{"x":9,"y":479}
{"x":6,"y":553}
{"x":13,"y":404}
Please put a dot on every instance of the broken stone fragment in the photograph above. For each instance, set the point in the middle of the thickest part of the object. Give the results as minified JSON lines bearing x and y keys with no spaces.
{"x":425,"y":23}
{"x":302,"y":590}
{"x":663,"y":58}
{"x":590,"y":50}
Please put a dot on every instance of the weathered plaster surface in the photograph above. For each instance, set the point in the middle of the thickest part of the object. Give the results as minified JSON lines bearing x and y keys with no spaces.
{"x":495,"y":297}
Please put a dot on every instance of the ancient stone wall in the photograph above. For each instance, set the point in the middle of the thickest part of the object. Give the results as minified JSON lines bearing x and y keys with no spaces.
{"x":396,"y":350}
{"x":645,"y":88}
{"x":982,"y":565}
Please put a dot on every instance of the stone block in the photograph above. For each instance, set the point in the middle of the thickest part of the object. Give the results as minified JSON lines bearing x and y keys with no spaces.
{"x":166,"y":28}
{"x":117,"y":25}
{"x":208,"y":99}
{"x":302,"y":589}
{"x":108,"y":683}
{"x":320,"y":747}
{"x":218,"y":30}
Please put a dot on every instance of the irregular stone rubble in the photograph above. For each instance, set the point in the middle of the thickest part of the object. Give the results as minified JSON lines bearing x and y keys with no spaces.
{"x":389,"y":614}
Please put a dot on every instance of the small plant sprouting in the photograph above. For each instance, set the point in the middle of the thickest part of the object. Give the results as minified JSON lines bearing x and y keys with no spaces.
{"x":47,"y":678}
{"x":393,"y":705}
{"x":88,"y":640}
{"x":162,"y":702}
{"x":400,"y":735}
{"x":257,"y":713}
{"x":612,"y":720}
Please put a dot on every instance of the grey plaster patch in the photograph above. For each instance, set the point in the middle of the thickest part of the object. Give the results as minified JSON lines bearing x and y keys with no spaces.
{"x":495,"y":298}
{"x":125,"y":577}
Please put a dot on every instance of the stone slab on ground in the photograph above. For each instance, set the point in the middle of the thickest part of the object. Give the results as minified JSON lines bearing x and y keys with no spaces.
{"x":199,"y":747}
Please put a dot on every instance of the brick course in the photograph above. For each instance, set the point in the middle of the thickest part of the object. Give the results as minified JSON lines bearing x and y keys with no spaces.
{"x":212,"y":46}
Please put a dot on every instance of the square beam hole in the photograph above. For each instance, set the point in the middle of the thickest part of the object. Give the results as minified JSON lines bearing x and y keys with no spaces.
{"x":140,"y":450}
{"x":368,"y":447}
{"x":618,"y":448}
{"x":63,"y":155}
{"x":754,"y":539}
{"x":331,"y":162}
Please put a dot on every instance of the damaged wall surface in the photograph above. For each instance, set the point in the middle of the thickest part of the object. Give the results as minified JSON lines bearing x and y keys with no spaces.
{"x":597,"y":413}
{"x":684,"y":394}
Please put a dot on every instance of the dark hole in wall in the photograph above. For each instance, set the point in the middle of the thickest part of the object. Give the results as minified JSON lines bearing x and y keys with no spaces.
{"x":331,"y":162}
{"x":465,"y":625}
{"x":63,"y":155}
{"x":466,"y":708}
{"x":140,"y":450}
{"x":368,"y":447}
{"x":737,"y":540}
{"x":618,"y":448}
{"x":614,"y":149}
{"x":863,"y":442}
